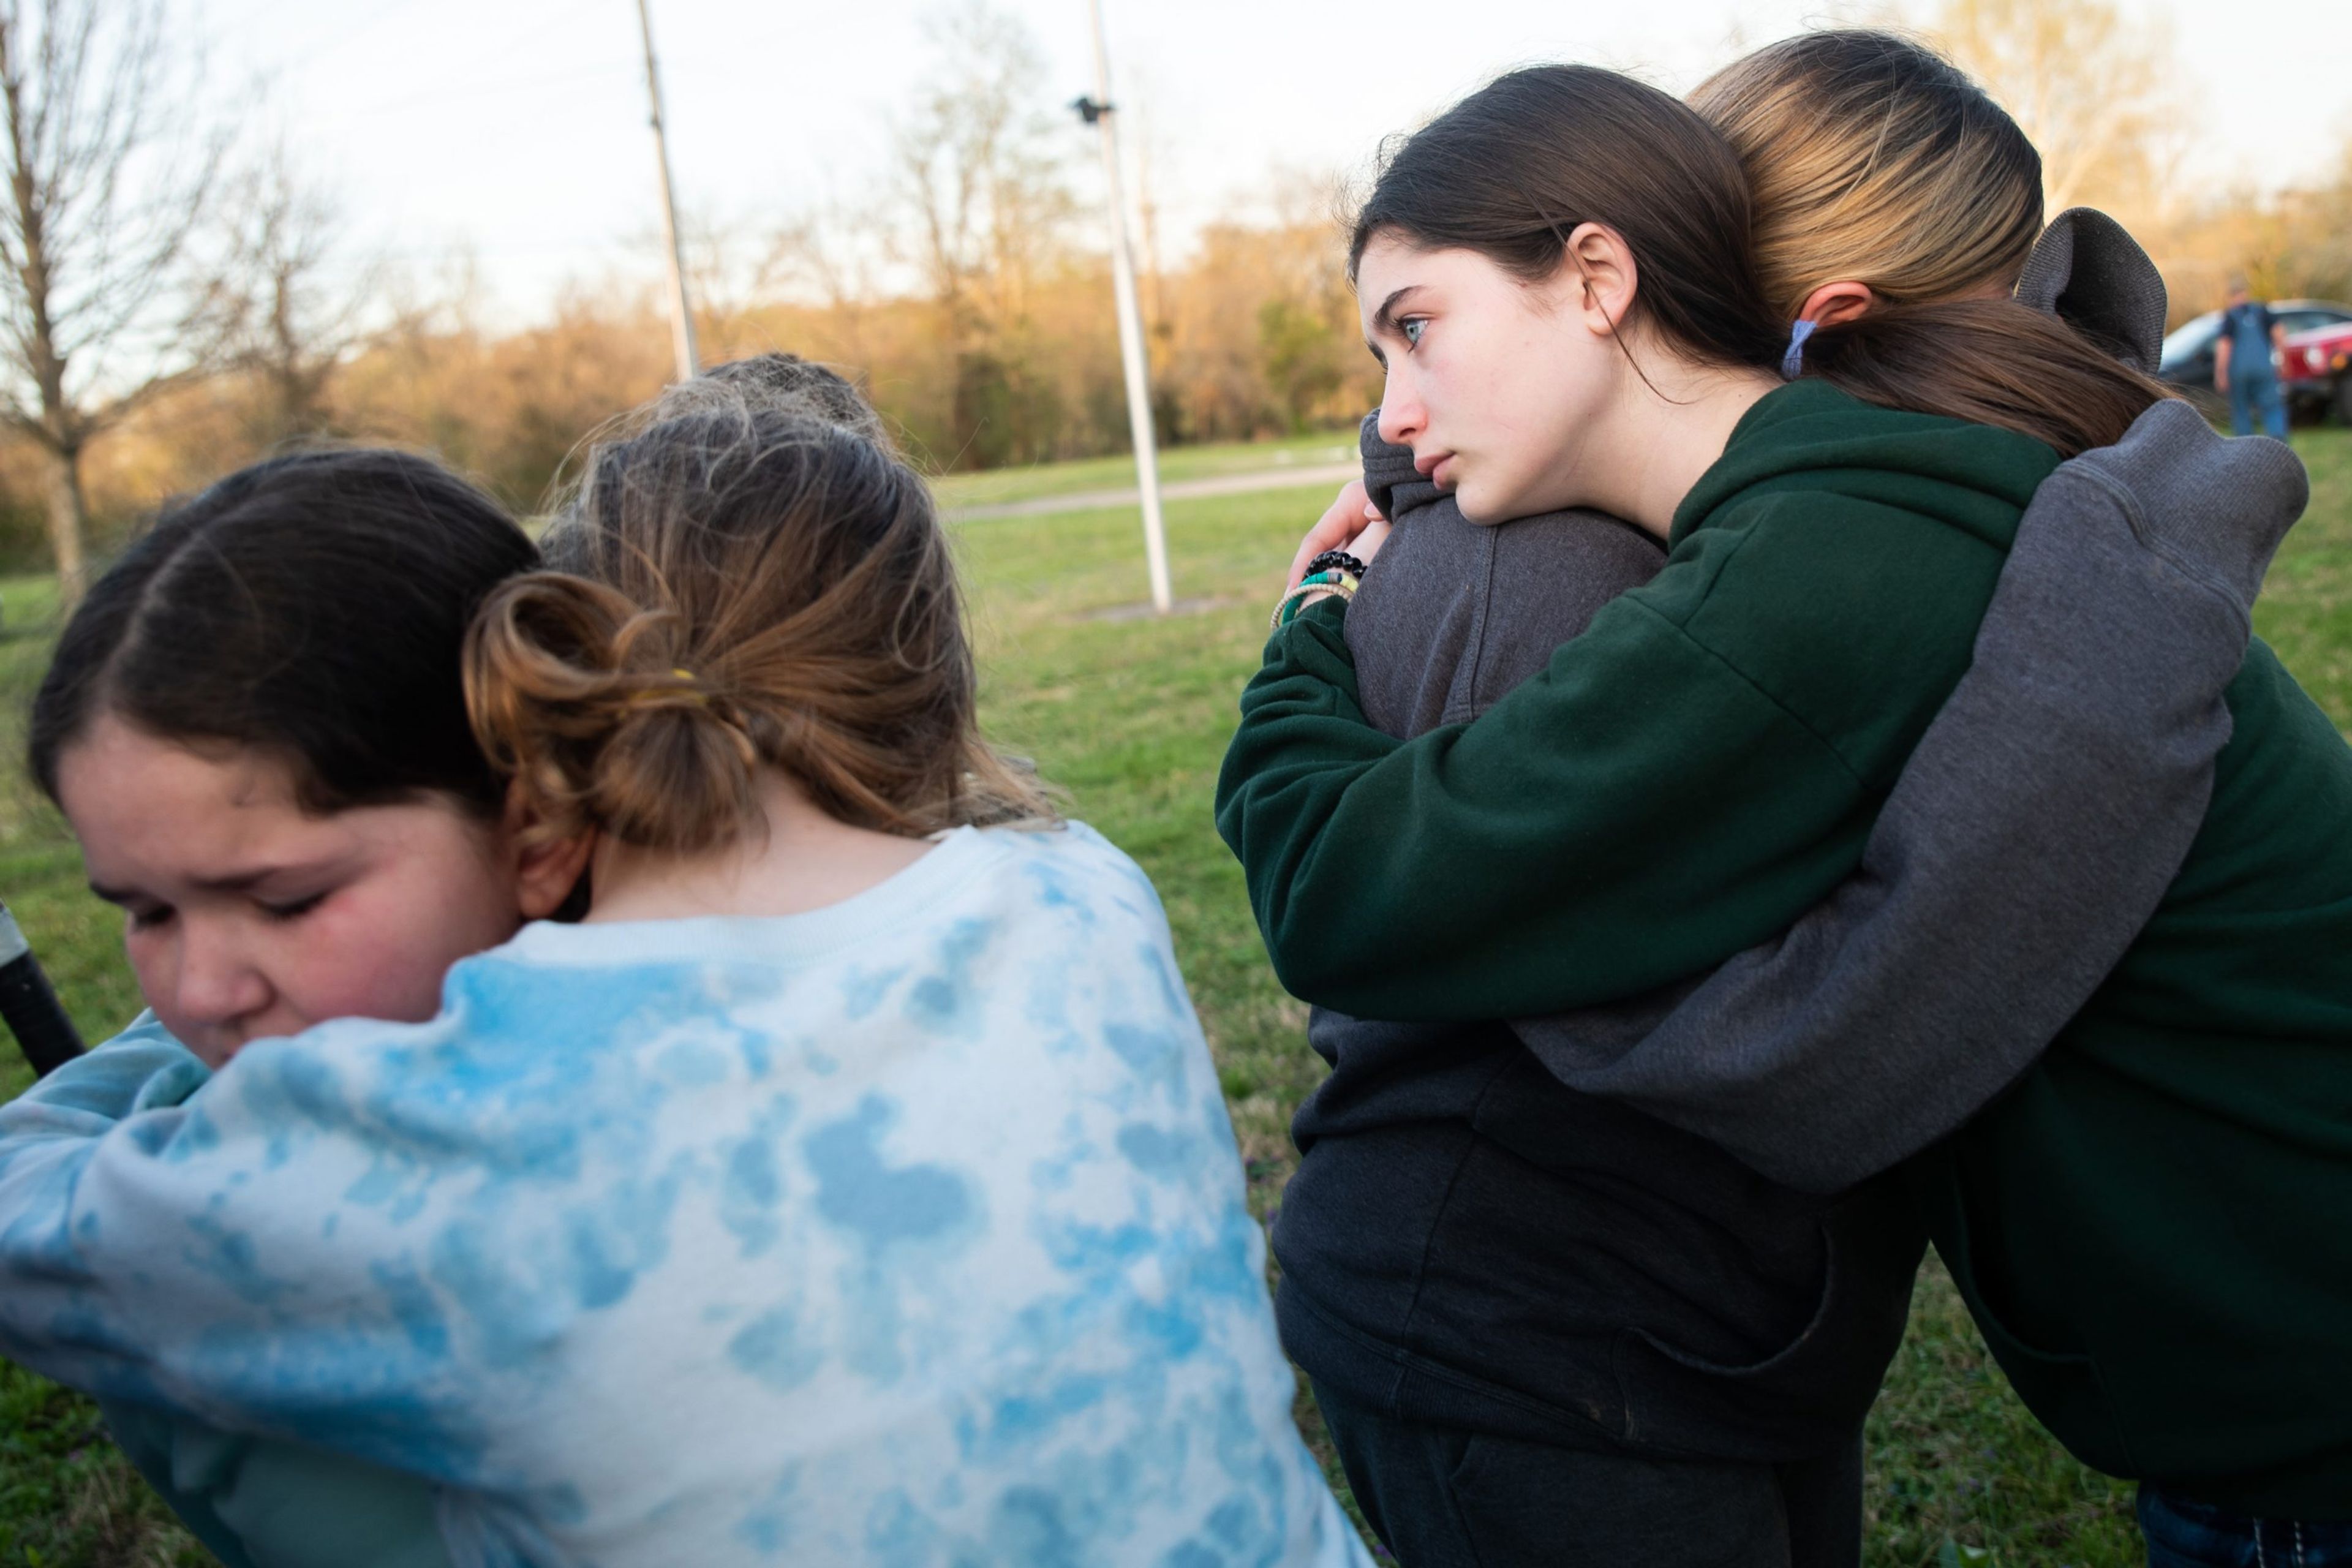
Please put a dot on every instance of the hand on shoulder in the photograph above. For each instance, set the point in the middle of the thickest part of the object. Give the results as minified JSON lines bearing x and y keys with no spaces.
{"x":1351,"y":523}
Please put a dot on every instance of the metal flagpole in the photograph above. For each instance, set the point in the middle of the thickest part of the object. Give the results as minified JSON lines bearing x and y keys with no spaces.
{"x":1097,"y":112}
{"x":681,"y":317}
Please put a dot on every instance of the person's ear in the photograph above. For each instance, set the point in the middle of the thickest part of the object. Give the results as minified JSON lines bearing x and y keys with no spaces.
{"x":1599,"y":267}
{"x":546,"y":868}
{"x":1834,"y":302}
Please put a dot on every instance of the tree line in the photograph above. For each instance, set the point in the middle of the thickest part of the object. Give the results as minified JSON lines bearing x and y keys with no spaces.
{"x":177,"y":299}
{"x":178,"y":303}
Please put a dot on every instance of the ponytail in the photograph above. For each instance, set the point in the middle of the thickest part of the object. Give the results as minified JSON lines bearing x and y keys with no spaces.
{"x":742,"y":589}
{"x":573,"y":697}
{"x":1988,"y":362}
{"x":1875,"y":159}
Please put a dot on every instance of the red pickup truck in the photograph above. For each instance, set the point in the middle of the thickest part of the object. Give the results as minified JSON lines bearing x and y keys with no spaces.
{"x":2316,"y":370}
{"x":2308,"y":384}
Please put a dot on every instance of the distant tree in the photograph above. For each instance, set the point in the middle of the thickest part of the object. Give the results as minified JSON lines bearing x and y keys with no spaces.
{"x":834,"y":259}
{"x":294,"y":302}
{"x":2316,"y":252}
{"x":507,"y":408}
{"x":1301,"y":356}
{"x":2292,"y":243}
{"x":981,"y":187}
{"x":2097,"y":91}
{"x":112,"y":171}
{"x":1278,"y":261}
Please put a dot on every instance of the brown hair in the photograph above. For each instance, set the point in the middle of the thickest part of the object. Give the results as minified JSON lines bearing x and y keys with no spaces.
{"x":779,"y":382}
{"x":1875,"y":160}
{"x":311,"y":606}
{"x":744,"y":589}
{"x":1989,"y":361}
{"x":1509,"y":170}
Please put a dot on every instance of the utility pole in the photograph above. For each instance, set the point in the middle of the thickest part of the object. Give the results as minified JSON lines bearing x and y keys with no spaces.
{"x":681,"y":315}
{"x":1097,"y":112}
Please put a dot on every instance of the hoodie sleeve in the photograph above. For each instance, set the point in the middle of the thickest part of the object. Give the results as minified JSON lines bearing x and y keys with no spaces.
{"x":142,"y":1067}
{"x":2029,"y":838}
{"x":177,"y":1242}
{"x":1572,"y":844}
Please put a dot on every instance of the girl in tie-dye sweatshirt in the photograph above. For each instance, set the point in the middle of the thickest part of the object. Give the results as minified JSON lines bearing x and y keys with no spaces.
{"x":852,"y":1185}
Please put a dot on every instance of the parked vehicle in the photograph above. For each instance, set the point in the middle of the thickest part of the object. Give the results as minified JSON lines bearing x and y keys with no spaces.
{"x":2188,"y":357}
{"x":2316,"y":370}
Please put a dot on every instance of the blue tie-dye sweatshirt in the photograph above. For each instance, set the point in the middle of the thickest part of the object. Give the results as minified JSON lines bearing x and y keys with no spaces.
{"x":906,"y":1231}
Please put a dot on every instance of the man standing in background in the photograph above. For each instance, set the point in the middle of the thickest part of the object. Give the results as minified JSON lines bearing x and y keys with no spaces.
{"x":2241,"y":363}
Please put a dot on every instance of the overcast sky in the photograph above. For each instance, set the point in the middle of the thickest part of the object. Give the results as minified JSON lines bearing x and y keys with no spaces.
{"x":517,"y":127}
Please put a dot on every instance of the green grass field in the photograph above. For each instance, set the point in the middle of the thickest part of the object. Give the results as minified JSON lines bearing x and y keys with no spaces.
{"x":1130,"y":715}
{"x":1176,"y":466}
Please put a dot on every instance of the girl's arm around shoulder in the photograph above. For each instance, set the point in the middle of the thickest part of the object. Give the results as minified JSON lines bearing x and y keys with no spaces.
{"x":1638,"y":811}
{"x":141,"y":1067}
{"x":2032,"y":833}
{"x":202,"y":1257}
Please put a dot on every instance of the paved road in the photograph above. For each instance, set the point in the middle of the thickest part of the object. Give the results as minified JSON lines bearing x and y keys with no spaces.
{"x":1186,"y":489}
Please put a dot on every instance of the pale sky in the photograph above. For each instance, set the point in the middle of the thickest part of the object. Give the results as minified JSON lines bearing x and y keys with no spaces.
{"x":517,"y":127}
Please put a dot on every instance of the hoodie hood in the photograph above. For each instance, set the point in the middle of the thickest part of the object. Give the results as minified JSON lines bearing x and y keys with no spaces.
{"x":1809,"y":435}
{"x":1392,"y":482}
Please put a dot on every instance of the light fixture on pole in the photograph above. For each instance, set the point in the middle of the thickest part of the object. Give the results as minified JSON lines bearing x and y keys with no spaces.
{"x":681,"y":316}
{"x":1097,"y":112}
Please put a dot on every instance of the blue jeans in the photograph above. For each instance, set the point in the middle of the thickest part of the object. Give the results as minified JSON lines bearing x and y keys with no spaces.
{"x":2182,"y":1533}
{"x":2252,"y":395}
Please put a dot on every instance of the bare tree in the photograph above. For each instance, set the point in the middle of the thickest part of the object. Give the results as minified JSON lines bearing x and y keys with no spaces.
{"x":2314,"y":253}
{"x":112,"y":170}
{"x":735,"y":266}
{"x":836,"y":258}
{"x":978,"y":175}
{"x":980,"y":187}
{"x":2097,"y":93}
{"x":293,"y":312}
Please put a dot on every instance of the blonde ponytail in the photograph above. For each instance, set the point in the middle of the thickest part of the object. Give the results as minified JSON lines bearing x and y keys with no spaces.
{"x":1989,"y":361}
{"x":1874,"y":160}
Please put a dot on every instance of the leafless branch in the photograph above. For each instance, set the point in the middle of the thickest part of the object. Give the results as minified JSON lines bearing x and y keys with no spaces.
{"x":112,"y":168}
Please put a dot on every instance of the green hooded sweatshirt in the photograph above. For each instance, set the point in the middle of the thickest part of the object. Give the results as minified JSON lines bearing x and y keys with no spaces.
{"x":2154,"y":1227}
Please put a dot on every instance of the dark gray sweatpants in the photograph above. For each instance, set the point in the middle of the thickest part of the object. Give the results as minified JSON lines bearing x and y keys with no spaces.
{"x":1442,"y":1497}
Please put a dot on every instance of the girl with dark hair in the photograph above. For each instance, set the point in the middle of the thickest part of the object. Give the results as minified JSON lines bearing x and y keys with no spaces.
{"x":1556,"y":272}
{"x":851,"y":1183}
{"x":257,"y":722}
{"x":257,"y":726}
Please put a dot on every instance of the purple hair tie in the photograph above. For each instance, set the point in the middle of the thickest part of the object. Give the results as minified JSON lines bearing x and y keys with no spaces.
{"x":1792,"y":361}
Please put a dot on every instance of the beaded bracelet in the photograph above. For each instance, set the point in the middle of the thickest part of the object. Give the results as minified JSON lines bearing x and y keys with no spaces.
{"x":1286,"y":608}
{"x":1339,"y":559}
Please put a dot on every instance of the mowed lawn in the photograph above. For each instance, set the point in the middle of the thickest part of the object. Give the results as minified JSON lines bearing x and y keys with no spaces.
{"x":1130,"y":714}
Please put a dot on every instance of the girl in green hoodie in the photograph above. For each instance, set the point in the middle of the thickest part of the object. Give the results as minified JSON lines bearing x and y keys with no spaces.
{"x":2149,"y":1225}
